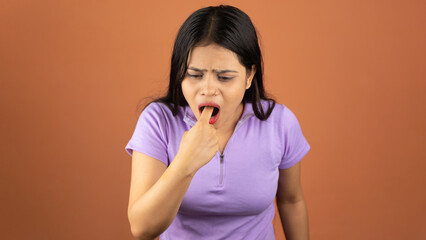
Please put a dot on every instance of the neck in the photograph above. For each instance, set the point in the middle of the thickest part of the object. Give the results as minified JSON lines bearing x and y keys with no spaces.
{"x":230,"y":125}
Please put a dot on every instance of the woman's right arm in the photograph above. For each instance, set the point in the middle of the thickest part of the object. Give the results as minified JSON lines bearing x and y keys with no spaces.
{"x":156,"y":193}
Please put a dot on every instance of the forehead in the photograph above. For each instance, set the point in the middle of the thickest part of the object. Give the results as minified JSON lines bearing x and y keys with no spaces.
{"x":213,"y":56}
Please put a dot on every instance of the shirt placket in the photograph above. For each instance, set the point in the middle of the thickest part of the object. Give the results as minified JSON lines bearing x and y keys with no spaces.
{"x":222,"y":170}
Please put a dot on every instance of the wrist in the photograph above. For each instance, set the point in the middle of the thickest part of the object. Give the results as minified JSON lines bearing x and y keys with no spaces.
{"x":181,"y":164}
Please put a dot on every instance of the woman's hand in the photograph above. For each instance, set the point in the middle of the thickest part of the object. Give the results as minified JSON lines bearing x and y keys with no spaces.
{"x":200,"y":143}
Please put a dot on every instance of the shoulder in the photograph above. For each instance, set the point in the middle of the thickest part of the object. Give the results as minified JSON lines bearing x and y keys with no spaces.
{"x":278,"y":111}
{"x":154,"y":115}
{"x":154,"y":107}
{"x":282,"y":118}
{"x":283,"y":113}
{"x":162,"y":114}
{"x":158,"y":109}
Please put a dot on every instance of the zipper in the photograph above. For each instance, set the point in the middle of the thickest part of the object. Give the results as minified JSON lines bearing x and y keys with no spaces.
{"x":221,"y":169}
{"x":223,"y":155}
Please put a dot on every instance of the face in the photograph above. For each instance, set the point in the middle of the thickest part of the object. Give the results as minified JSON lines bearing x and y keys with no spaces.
{"x":215,"y":75}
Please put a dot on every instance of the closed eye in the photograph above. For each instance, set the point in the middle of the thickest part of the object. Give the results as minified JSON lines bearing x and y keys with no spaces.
{"x":226,"y":78}
{"x":194,"y":76}
{"x":200,"y":76}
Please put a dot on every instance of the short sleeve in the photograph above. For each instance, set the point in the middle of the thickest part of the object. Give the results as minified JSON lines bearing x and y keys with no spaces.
{"x":295,"y":144}
{"x":150,"y":135}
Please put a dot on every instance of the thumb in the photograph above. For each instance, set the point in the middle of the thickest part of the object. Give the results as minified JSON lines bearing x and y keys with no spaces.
{"x":206,"y":114}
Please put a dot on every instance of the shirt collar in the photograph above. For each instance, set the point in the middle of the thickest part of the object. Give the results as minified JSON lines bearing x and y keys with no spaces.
{"x":190,"y":118}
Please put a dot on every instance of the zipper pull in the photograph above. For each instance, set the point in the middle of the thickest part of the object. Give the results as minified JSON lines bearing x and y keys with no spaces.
{"x":221,"y":168}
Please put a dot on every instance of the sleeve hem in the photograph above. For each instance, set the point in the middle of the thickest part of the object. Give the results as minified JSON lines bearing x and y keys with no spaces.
{"x":130,"y":149}
{"x":296,"y":159}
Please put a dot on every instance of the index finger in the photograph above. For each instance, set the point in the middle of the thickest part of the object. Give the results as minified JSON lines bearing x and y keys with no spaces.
{"x":206,"y":114}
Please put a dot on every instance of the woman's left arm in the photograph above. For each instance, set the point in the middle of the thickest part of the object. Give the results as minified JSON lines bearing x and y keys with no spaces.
{"x":291,"y":204}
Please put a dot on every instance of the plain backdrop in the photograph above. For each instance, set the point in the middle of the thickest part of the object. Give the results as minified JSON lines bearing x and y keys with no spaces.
{"x":73,"y":73}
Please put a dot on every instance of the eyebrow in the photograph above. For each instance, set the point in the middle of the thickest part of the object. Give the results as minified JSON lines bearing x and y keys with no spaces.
{"x":214,"y":70}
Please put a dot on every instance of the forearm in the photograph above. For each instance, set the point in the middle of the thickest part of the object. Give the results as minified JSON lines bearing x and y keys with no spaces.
{"x":155,"y":210}
{"x":294,"y":219}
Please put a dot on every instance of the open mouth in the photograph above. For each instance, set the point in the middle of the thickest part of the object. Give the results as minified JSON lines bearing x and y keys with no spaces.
{"x":215,"y":114}
{"x":215,"y":110}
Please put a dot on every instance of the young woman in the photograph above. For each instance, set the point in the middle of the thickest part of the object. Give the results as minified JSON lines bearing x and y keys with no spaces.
{"x":209,"y":158}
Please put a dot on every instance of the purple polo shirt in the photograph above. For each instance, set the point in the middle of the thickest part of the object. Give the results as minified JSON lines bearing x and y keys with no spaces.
{"x":232,"y":196}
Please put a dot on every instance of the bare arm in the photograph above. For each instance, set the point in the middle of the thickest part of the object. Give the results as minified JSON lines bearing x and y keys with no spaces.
{"x":291,"y":204}
{"x":156,"y":193}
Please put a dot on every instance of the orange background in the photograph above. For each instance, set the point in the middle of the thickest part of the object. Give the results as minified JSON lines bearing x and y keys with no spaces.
{"x":73,"y":72}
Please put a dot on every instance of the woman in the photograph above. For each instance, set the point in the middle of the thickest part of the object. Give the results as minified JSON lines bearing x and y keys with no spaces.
{"x":209,"y":158}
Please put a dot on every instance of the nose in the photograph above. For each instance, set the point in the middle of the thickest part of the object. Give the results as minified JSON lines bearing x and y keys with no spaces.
{"x":209,"y":87}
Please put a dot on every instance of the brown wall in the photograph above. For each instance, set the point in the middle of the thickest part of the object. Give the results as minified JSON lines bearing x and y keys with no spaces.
{"x":72,"y":73}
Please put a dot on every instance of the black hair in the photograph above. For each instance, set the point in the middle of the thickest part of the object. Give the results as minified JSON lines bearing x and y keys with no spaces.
{"x":230,"y":28}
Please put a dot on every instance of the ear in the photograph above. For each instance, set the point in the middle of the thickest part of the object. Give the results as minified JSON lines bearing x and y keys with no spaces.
{"x":251,"y":76}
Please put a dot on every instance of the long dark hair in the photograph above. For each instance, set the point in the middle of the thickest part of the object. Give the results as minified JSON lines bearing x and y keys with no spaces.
{"x":230,"y":28}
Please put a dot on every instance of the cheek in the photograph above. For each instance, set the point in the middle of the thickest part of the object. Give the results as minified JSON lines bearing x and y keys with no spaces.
{"x":236,"y":91}
{"x":189,"y":92}
{"x":186,"y":88}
